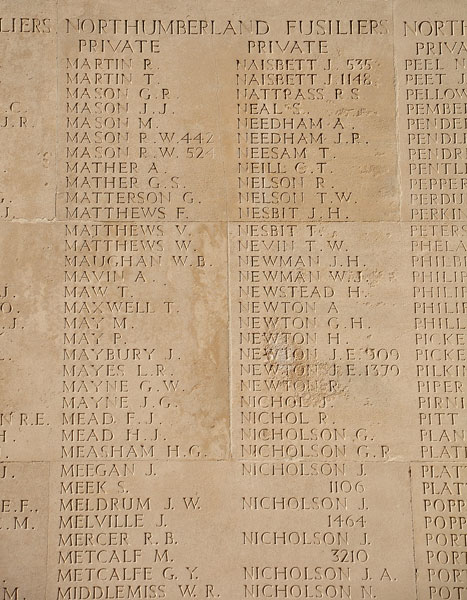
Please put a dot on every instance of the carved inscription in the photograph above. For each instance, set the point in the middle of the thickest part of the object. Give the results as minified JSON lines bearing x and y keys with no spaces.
{"x":233,"y":300}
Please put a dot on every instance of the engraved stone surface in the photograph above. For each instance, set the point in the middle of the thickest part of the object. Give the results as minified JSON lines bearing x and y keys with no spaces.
{"x":233,"y":300}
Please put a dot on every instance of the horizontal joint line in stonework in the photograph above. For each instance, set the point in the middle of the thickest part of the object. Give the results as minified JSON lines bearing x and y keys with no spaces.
{"x":229,"y":460}
{"x":246,"y":221}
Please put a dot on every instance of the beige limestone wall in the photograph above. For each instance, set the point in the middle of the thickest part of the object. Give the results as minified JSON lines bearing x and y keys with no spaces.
{"x":233,"y":300}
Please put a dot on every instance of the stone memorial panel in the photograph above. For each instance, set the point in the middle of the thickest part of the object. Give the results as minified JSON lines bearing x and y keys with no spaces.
{"x":233,"y":300}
